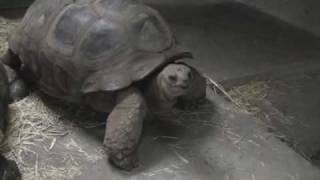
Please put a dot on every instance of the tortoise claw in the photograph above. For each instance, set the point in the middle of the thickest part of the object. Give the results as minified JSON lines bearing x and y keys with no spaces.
{"x":127,"y":163}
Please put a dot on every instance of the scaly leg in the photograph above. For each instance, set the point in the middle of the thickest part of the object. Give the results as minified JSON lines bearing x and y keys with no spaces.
{"x":123,"y":129}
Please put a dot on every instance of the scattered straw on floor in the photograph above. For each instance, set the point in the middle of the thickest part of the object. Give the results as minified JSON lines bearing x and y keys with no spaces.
{"x":30,"y":124}
{"x":6,"y":26}
{"x":34,"y":128}
{"x":244,"y":95}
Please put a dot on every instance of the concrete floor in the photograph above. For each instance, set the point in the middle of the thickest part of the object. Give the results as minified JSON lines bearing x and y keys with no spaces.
{"x":292,"y":106}
{"x":222,"y":144}
{"x":233,"y":44}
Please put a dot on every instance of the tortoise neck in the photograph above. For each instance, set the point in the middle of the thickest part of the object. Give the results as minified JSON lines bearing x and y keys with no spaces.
{"x":160,"y":87}
{"x":156,"y":95}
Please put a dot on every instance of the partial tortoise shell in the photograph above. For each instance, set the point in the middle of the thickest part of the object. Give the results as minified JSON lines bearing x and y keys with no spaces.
{"x":78,"y":47}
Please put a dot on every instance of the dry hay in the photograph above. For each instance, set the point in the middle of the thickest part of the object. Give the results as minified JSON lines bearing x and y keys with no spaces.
{"x":34,"y":128}
{"x":247,"y":94}
{"x":6,"y":26}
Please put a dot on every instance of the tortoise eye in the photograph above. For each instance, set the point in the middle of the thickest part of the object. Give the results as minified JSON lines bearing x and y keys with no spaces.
{"x":173,"y":78}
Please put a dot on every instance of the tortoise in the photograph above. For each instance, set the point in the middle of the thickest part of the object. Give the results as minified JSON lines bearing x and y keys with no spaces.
{"x":116,"y":56}
{"x":12,"y":88}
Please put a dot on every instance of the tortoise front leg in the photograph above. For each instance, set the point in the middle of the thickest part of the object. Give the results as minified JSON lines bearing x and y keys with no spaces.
{"x":123,"y":129}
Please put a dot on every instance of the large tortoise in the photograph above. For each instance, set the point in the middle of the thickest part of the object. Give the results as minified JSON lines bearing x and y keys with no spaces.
{"x":117,"y":56}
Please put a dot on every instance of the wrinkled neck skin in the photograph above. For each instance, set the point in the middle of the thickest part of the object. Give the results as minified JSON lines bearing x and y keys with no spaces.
{"x":157,"y":98}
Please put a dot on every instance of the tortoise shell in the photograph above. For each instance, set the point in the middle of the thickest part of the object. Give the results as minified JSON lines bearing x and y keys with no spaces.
{"x":74,"y":47}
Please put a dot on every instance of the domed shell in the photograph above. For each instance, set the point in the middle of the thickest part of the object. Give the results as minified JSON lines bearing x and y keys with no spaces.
{"x":78,"y":47}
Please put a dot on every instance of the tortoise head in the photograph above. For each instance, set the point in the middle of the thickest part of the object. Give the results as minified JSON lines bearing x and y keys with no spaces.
{"x":176,"y":79}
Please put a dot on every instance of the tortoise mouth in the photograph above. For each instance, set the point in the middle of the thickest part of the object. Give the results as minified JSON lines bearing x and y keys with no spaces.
{"x":178,"y":87}
{"x":184,"y":87}
{"x":176,"y":90}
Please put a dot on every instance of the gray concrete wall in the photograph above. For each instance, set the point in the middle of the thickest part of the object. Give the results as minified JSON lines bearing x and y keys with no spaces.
{"x":301,"y":13}
{"x":304,"y":14}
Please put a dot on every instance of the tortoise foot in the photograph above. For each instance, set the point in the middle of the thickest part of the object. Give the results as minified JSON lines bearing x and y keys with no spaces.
{"x":126,"y":163}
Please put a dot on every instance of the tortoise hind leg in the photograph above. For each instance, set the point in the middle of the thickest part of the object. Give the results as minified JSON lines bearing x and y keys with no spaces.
{"x":123,"y":129}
